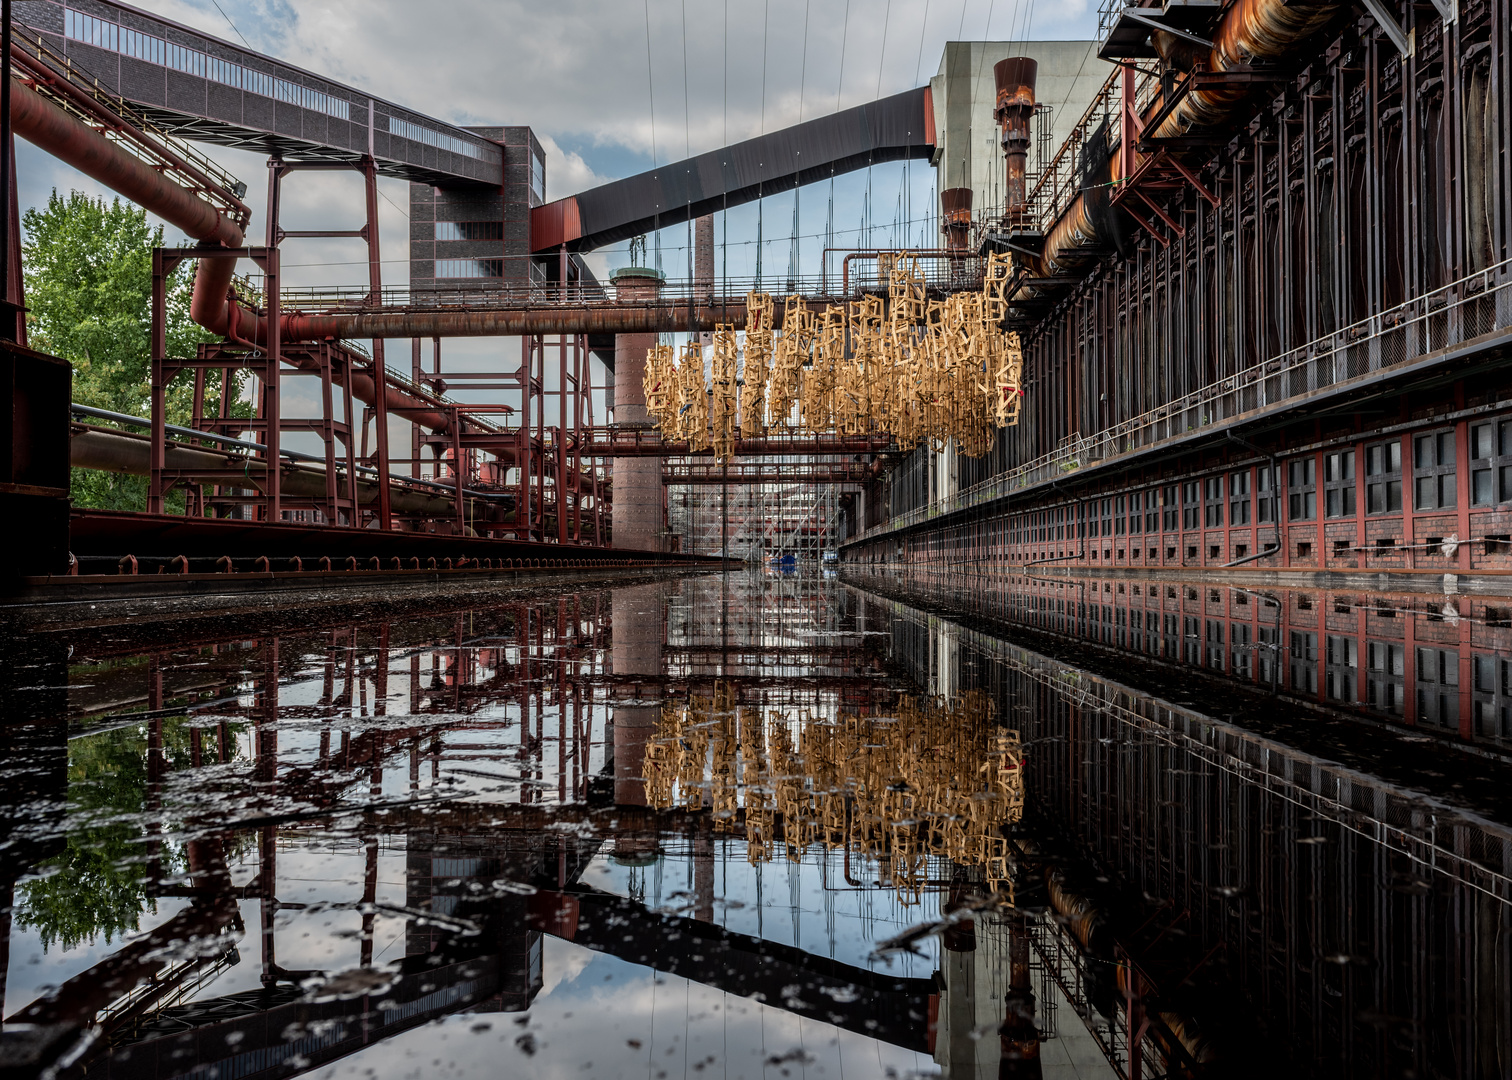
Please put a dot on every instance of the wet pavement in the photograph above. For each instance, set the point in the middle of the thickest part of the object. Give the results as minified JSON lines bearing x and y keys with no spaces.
{"x":765,"y":826}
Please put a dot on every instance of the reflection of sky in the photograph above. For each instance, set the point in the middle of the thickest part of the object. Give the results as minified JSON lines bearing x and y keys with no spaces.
{"x":600,"y":1016}
{"x":808,"y":904}
{"x":33,"y":970}
{"x":313,"y":873}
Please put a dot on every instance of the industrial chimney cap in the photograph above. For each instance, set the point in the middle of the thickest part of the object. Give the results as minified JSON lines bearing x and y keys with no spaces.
{"x":1015,"y":79}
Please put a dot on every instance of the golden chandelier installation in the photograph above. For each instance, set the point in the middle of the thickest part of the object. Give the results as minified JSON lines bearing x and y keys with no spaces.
{"x":910,"y":367}
{"x":936,"y":778}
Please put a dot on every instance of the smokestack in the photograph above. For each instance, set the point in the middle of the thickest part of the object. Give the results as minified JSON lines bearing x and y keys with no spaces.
{"x":1013,"y":111}
{"x":955,"y":210}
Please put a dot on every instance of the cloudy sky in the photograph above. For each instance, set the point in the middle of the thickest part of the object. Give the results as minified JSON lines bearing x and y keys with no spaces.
{"x":609,"y":89}
{"x":581,"y":74}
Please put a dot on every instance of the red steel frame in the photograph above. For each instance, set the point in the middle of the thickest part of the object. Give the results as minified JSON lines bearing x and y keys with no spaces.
{"x":556,"y":501}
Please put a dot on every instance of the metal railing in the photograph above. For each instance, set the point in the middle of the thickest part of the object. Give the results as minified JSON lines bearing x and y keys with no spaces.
{"x":1451,"y":315}
{"x":475,"y":293}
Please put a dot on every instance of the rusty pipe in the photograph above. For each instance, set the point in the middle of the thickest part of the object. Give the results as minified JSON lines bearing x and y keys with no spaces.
{"x":45,"y":125}
{"x":873,"y":253}
{"x":955,"y":214}
{"x":644,"y":318}
{"x":49,"y":128}
{"x":1252,"y":30}
{"x":1073,"y":231}
{"x":119,"y":452}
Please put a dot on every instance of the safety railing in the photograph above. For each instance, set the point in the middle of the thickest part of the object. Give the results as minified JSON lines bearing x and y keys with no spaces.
{"x":943,"y":275}
{"x":1461,"y":311}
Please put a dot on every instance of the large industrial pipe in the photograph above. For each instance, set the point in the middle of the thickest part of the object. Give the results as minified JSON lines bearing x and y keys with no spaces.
{"x":121,"y":453}
{"x":649,"y":318}
{"x":43,"y":124}
{"x":1014,"y":110}
{"x":1252,"y":30}
{"x":1263,"y":30}
{"x":48,"y":127}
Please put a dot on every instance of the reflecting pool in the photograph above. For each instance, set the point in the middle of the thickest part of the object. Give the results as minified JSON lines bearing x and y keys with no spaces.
{"x":749,"y":825}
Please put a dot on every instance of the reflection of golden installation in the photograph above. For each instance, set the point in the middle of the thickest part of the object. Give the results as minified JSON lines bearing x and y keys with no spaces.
{"x":909,"y":367}
{"x":936,"y":779}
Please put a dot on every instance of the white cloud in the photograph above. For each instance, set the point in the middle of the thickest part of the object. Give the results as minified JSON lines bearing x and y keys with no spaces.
{"x":566,"y":171}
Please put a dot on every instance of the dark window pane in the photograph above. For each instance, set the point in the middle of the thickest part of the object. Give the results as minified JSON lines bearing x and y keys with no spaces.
{"x":1480,"y":441}
{"x":1483,"y":490}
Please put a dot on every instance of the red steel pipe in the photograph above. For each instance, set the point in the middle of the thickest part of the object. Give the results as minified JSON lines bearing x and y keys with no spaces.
{"x":43,"y":124}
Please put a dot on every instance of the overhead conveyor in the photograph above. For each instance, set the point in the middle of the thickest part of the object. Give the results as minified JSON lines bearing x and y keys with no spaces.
{"x":896,"y":128}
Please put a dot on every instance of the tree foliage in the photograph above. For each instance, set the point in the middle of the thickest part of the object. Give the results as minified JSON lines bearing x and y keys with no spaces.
{"x":89,"y":298}
{"x":98,"y":886}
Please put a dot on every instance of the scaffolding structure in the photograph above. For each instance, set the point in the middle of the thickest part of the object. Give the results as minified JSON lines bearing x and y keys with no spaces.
{"x":756,"y":522}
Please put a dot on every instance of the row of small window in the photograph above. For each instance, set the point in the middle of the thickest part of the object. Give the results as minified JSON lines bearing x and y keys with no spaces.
{"x":439,"y":139}
{"x":469,"y":268}
{"x":1200,"y":503}
{"x":107,"y":35}
{"x":469,"y":230}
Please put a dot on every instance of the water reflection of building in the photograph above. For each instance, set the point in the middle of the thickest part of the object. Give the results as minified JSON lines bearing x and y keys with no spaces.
{"x":330,"y":733}
{"x":1440,"y":661}
{"x":1362,"y":922}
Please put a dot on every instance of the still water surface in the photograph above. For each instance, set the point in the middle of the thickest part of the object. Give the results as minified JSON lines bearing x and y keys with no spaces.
{"x":731,"y":826}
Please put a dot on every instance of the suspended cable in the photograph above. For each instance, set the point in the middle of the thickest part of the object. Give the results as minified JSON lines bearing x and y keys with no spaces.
{"x":793,"y":252}
{"x":724,"y":217}
{"x":923,"y":30}
{"x":688,"y":146}
{"x":651,"y":96}
{"x":760,"y":182}
{"x":650,"y":84}
{"x":881,"y":62}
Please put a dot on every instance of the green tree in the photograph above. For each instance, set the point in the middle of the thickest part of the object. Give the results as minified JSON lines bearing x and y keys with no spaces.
{"x":89,"y":298}
{"x":101,"y":884}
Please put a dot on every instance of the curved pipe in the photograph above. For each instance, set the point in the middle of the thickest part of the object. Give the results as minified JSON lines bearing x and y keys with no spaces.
{"x":49,"y":128}
{"x":43,"y":124}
